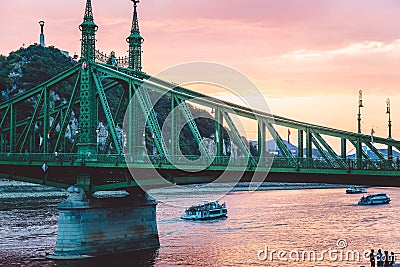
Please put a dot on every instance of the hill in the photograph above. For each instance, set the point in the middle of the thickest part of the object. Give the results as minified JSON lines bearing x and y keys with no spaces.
{"x":27,"y":67}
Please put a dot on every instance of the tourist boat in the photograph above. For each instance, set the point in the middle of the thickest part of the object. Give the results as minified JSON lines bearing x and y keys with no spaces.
{"x":355,"y":190}
{"x":206,"y":211}
{"x":376,"y":199}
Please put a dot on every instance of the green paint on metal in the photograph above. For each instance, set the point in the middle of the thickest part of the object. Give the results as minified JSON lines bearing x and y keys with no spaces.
{"x":88,"y":112}
{"x":379,"y":155}
{"x":322,"y":152}
{"x":309,"y":148}
{"x":279,"y":142}
{"x":360,"y":154}
{"x":109,"y":117}
{"x":329,"y":149}
{"x":67,"y":117}
{"x":237,"y":138}
{"x":174,"y":126}
{"x":187,"y":114}
{"x":137,"y":124}
{"x":30,"y":127}
{"x":261,"y":139}
{"x":90,"y":86}
{"x":135,"y":41}
{"x":300,"y":143}
{"x":343,"y":148}
{"x":151,"y":118}
{"x":88,"y":29}
{"x":117,"y":113}
{"x":13,"y":128}
{"x":46,"y":120}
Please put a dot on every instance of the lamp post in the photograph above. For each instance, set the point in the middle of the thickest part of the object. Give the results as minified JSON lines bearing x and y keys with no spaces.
{"x":360,"y":105}
{"x":389,"y":121}
{"x":390,"y":148}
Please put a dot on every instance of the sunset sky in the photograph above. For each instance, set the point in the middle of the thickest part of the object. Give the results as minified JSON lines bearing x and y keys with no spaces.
{"x":308,"y":57}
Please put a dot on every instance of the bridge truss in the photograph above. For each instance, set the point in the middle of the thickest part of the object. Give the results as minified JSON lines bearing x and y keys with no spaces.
{"x":39,"y":144}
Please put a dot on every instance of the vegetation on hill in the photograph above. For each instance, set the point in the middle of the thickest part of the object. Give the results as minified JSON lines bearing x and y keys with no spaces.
{"x":28,"y":67}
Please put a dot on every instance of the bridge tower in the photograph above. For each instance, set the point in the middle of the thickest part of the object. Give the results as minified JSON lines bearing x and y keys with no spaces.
{"x":88,"y":119}
{"x":90,"y":226}
{"x":135,"y":41}
{"x":88,"y":29}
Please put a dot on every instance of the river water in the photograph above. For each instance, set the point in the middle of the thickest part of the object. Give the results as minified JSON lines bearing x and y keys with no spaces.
{"x":295,"y":223}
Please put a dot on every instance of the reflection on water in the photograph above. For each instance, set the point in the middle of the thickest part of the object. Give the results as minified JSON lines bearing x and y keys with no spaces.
{"x":139,"y":259}
{"x":295,"y":220}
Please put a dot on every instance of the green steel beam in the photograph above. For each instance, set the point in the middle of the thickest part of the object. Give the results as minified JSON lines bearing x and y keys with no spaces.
{"x":55,"y":122}
{"x":115,"y":117}
{"x":13,"y":128}
{"x":261,"y":139}
{"x":330,"y":150}
{"x":300,"y":144}
{"x":379,"y":154}
{"x":2,"y":142}
{"x":218,"y":137}
{"x":174,"y":126}
{"x":309,"y":154}
{"x":279,"y":142}
{"x":53,"y":81}
{"x":322,"y":152}
{"x":136,"y":121}
{"x":68,"y":113}
{"x":108,"y":114}
{"x":88,"y":112}
{"x":148,"y":111}
{"x":343,"y":148}
{"x":46,"y":119}
{"x":390,"y":153}
{"x":360,"y":153}
{"x":198,"y":98}
{"x":5,"y":116}
{"x":236,"y":135}
{"x":192,"y":125}
{"x":130,"y":132}
{"x":29,"y":127}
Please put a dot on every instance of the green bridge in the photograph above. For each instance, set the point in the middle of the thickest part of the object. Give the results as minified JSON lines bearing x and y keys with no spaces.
{"x":145,"y":151}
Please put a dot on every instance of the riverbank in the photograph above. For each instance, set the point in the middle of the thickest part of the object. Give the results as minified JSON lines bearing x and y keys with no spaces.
{"x":9,"y":186}
{"x":244,"y":186}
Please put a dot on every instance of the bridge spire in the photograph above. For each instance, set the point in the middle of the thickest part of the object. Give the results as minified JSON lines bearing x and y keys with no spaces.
{"x":135,"y":41}
{"x":86,"y":134}
{"x":88,"y":29}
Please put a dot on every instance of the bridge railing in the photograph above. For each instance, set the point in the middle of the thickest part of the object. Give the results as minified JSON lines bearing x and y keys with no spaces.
{"x":195,"y":161}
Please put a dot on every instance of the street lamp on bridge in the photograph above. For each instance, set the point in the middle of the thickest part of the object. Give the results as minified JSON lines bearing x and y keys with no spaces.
{"x":389,"y":122}
{"x":390,"y":148}
{"x":360,"y":105}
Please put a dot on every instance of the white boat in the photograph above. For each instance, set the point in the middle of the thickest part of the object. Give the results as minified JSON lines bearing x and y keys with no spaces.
{"x":206,"y":211}
{"x":355,"y":190}
{"x":375,"y":199}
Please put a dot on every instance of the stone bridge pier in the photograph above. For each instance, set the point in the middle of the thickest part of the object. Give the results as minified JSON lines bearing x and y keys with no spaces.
{"x":90,"y":227}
